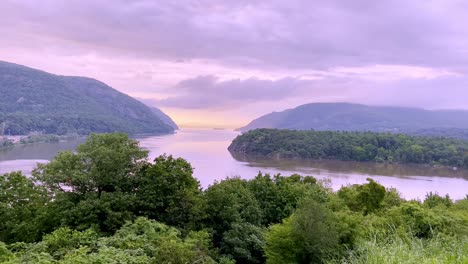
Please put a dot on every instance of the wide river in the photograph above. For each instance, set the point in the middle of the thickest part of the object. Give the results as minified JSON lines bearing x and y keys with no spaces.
{"x":207,"y":151}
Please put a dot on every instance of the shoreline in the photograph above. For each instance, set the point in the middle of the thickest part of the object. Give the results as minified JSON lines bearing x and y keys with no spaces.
{"x":258,"y":158}
{"x":17,"y":140}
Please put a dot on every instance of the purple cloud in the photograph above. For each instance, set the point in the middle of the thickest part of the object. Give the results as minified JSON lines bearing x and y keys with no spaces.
{"x":207,"y":54}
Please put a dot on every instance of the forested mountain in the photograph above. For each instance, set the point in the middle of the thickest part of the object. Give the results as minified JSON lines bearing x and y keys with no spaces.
{"x":33,"y":100}
{"x":355,"y":117}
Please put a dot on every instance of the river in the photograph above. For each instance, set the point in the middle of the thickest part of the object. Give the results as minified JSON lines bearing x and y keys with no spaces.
{"x":207,"y":151}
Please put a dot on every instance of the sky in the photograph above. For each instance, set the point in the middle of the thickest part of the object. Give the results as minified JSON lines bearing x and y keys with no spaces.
{"x":224,"y":63}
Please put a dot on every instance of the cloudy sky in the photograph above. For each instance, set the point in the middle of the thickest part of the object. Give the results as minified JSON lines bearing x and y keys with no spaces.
{"x":224,"y":63}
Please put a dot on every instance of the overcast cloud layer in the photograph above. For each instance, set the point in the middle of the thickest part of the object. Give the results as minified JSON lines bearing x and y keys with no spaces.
{"x":202,"y":60}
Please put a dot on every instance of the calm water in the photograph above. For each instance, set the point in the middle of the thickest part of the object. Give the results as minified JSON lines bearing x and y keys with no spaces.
{"x":207,"y":151}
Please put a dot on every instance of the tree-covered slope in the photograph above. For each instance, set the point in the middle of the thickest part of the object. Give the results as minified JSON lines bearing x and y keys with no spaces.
{"x":164,"y":117}
{"x":33,"y":100}
{"x":357,"y":146}
{"x":355,"y":117}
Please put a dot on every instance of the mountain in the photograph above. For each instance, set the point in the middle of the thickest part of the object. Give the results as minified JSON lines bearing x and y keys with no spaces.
{"x":165,"y":118}
{"x":35,"y":101}
{"x":356,"y":117}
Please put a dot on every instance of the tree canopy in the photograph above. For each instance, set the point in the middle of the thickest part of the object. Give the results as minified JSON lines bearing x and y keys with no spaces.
{"x":356,"y":146}
{"x":106,"y":203}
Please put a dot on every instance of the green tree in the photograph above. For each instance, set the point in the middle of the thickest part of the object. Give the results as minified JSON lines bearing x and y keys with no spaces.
{"x":21,"y":201}
{"x":229,"y":202}
{"x":161,"y":243}
{"x":345,"y":145}
{"x":94,"y":187}
{"x":310,"y":235}
{"x":370,"y":195}
{"x":5,"y":253}
{"x":367,"y":197}
{"x":104,"y":163}
{"x":141,"y":241}
{"x":244,"y":243}
{"x":434,"y":199}
{"x":168,"y":192}
{"x":278,"y":196}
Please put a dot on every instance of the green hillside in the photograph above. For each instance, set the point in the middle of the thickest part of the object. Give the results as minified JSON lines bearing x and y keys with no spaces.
{"x":36,"y":101}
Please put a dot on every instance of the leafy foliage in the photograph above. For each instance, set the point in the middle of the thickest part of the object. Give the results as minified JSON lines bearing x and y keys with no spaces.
{"x":308,"y":236}
{"x":168,"y":192}
{"x":366,"y":198}
{"x":104,"y":163}
{"x":143,"y":241}
{"x":105,"y":203}
{"x":20,"y":202}
{"x":359,"y":146}
{"x":230,"y":202}
{"x":278,"y":196}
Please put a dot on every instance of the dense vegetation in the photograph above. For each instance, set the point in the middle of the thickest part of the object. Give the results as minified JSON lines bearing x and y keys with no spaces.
{"x":354,"y":117}
{"x":4,"y":142}
{"x":33,"y":100}
{"x":358,"y":146}
{"x":105,"y":203}
{"x":39,"y":138}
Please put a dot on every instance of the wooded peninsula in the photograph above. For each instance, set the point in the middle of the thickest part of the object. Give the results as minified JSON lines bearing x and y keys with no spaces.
{"x":354,"y":146}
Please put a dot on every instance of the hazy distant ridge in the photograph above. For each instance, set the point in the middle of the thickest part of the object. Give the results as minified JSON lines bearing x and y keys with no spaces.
{"x":356,"y":117}
{"x":33,"y":100}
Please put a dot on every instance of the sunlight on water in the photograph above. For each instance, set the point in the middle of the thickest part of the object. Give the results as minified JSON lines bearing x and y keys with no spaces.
{"x":207,"y":151}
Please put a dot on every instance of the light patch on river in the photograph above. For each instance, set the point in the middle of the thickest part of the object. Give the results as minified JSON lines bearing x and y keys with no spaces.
{"x":207,"y":151}
{"x":26,"y":166}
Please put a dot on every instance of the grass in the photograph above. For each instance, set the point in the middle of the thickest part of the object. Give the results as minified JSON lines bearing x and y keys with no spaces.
{"x":395,"y":250}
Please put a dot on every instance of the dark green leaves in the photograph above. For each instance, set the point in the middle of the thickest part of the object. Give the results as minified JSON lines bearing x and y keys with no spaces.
{"x":357,"y":146}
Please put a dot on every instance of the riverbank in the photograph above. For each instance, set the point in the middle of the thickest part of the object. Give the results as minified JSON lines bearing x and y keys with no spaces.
{"x":10,"y":141}
{"x":206,"y":150}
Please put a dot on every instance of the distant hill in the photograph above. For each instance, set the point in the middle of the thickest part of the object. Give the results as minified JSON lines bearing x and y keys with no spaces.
{"x":165,"y":118}
{"x":356,"y":117}
{"x":36,"y":101}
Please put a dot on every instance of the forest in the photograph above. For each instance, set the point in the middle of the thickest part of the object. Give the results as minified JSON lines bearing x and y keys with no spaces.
{"x":107,"y":203}
{"x":4,"y":142}
{"x":356,"y":146}
{"x":39,"y":138}
{"x":37,"y":101}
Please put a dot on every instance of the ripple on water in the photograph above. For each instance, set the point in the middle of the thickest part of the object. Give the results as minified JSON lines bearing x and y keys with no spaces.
{"x":26,"y":166}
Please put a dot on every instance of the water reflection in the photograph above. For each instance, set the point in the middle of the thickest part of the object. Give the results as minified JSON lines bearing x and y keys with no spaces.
{"x":367,"y":168}
{"x":207,"y":151}
{"x":42,"y":151}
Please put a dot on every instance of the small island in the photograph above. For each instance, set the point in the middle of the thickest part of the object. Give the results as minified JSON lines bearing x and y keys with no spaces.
{"x":352,"y":146}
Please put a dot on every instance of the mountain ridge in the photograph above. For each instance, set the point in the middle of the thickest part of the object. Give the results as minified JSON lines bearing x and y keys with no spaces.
{"x":37,"y":101}
{"x":359,"y":117}
{"x":164,"y":117}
